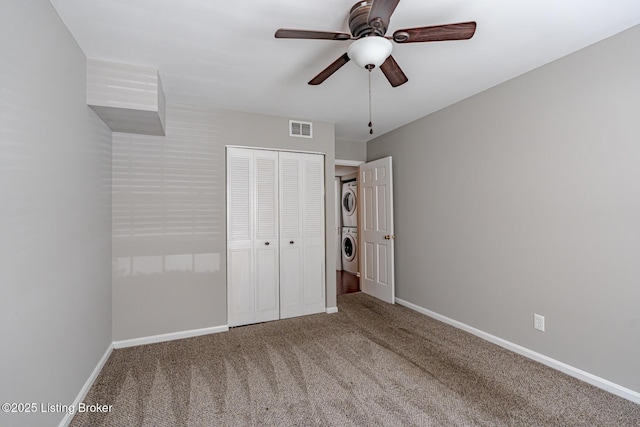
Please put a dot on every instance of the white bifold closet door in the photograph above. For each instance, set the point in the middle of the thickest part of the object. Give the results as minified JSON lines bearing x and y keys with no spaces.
{"x":275,"y":235}
{"x":302,"y":236}
{"x":252,"y":239}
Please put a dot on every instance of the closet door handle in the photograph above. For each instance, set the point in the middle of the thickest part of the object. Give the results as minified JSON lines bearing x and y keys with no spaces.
{"x":291,"y":242}
{"x":266,"y":243}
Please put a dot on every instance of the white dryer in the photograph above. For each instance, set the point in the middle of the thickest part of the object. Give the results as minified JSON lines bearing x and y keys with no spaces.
{"x":349,"y":204}
{"x":350,"y":249}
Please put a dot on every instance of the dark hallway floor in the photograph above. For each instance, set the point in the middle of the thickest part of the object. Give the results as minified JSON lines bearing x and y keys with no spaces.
{"x":346,"y":283}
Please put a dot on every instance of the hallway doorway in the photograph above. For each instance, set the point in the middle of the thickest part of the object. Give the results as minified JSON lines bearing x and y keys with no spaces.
{"x":346,"y":283}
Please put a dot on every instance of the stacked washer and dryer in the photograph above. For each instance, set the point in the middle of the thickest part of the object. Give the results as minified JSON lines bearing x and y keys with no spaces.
{"x":349,"y":244}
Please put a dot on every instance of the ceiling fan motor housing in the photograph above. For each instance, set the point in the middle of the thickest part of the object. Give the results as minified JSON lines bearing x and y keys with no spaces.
{"x":359,"y":21}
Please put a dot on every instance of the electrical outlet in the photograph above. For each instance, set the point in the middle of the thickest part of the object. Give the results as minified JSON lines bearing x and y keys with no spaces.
{"x":538,"y":322}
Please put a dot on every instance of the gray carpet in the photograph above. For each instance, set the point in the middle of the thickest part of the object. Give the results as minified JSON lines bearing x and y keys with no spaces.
{"x":370,"y":364}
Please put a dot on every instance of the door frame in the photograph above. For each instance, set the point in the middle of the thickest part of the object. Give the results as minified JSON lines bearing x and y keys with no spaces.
{"x":356,"y":164}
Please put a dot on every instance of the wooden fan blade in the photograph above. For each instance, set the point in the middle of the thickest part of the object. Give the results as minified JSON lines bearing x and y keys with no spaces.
{"x":327,"y":72}
{"x":381,"y":10}
{"x":393,"y":72}
{"x":461,"y":31}
{"x":284,"y":33}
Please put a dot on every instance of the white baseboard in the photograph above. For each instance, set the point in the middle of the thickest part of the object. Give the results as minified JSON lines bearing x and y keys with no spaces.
{"x":169,"y":337}
{"x":594,"y":380}
{"x":331,"y":310}
{"x":87,"y":385}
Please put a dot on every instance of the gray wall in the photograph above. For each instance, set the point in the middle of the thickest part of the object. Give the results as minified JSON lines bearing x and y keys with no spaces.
{"x":351,"y":150}
{"x":169,"y":217}
{"x":55,"y":215}
{"x":526,"y":198}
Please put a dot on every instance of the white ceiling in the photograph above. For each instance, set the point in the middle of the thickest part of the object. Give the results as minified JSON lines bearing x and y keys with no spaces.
{"x":224,"y":54}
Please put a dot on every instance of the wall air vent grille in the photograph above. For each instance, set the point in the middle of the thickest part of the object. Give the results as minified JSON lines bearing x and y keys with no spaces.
{"x":300,"y":129}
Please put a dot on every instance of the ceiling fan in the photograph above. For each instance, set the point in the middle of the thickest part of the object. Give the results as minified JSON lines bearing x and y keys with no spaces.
{"x":368,"y":23}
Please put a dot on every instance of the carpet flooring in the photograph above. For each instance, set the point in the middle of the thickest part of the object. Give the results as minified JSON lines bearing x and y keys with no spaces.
{"x":370,"y":364}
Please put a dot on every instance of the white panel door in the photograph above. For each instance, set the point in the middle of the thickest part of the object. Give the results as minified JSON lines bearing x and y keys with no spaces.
{"x":302,"y":238}
{"x":376,"y":229}
{"x":252,"y":236}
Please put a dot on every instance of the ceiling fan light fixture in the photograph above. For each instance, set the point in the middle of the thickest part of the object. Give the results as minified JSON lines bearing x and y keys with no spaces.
{"x":371,"y":50}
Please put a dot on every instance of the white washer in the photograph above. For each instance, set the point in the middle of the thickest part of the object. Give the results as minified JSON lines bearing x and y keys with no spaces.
{"x":350,"y":249}
{"x":349,"y":204}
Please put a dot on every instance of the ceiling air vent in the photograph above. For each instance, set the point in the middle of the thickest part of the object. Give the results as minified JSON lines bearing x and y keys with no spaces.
{"x":300,"y":129}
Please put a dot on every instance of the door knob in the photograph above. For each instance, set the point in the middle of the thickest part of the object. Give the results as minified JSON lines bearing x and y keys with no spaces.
{"x":266,"y":243}
{"x":389,"y":237}
{"x":291,"y":242}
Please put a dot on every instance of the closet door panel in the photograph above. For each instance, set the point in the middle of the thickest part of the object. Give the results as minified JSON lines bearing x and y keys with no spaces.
{"x":241,"y":303}
{"x":252,"y":235}
{"x":290,"y":280}
{"x":313,"y":281}
{"x":291,"y":259}
{"x":240,"y":260}
{"x":266,"y":185}
{"x":267,"y":286}
{"x":290,"y":196}
{"x":240,"y":196}
{"x":302,"y":278}
{"x":313,"y":196}
{"x":313,"y":233}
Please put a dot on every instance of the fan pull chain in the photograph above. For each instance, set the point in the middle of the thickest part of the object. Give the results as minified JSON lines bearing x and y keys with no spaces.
{"x":370,"y":123}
